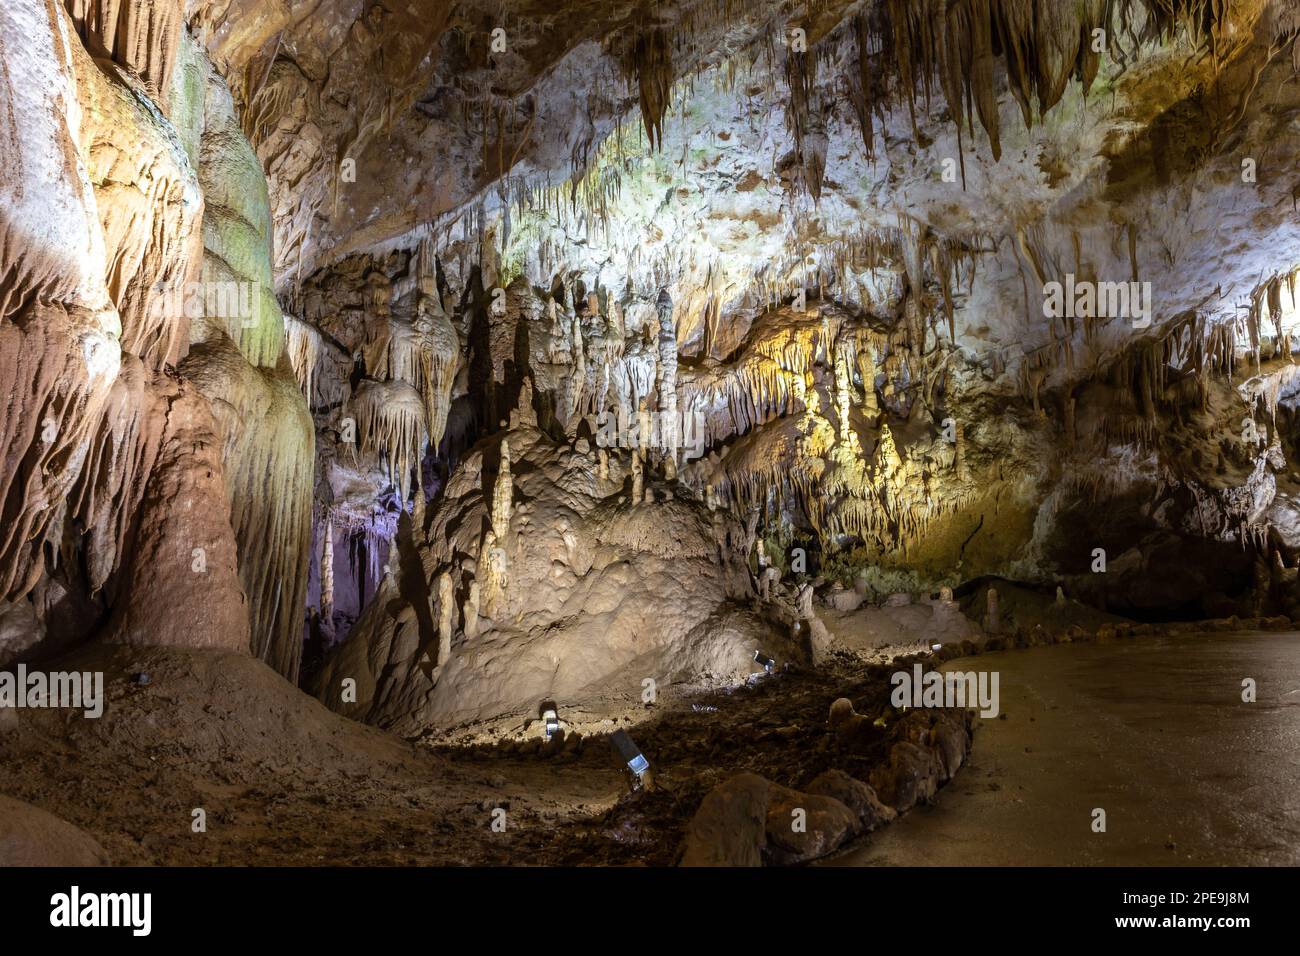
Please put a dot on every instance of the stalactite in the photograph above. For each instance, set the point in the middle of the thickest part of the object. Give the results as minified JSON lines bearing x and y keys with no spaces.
{"x":304,"y":345}
{"x":121,"y":454}
{"x":142,"y":35}
{"x":649,"y":60}
{"x":862,"y":85}
{"x":1042,"y":47}
{"x":390,"y":419}
{"x":439,"y":348}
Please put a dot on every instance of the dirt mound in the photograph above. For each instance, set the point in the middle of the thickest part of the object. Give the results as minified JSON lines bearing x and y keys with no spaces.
{"x":187,"y":729}
{"x":31,"y":837}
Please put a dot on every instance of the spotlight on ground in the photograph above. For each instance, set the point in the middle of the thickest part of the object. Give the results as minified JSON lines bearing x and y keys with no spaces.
{"x":631,"y":754}
{"x":550,"y":720}
{"x":765,"y":662}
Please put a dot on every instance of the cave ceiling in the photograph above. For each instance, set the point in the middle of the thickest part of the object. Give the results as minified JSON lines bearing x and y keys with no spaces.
{"x":748,"y":184}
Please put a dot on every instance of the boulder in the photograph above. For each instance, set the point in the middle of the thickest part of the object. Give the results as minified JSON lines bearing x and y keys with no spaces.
{"x":951,"y":744}
{"x":804,"y":826}
{"x":31,"y":837}
{"x":854,"y":794}
{"x":850,"y":729}
{"x":844,"y":600}
{"x":911,"y":777}
{"x":730,"y":827}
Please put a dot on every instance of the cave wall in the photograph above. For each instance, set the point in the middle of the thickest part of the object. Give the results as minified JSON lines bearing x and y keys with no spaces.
{"x":830,"y":251}
{"x":138,"y":473}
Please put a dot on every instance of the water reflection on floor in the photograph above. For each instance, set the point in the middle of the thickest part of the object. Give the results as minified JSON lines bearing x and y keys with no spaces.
{"x":1154,"y":731}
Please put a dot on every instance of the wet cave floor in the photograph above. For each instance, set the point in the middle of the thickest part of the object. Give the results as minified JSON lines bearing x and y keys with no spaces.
{"x":1152,"y":731}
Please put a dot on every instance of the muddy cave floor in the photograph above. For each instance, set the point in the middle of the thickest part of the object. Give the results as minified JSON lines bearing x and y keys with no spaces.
{"x":284,"y":781}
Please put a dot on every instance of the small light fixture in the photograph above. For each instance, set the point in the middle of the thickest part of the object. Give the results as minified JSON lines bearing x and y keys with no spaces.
{"x":935,"y":647}
{"x":630,"y":753}
{"x":765,"y":662}
{"x":550,"y":720}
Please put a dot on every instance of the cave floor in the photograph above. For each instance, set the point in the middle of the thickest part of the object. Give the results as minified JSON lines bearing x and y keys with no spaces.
{"x":283,"y":781}
{"x":1153,"y":731}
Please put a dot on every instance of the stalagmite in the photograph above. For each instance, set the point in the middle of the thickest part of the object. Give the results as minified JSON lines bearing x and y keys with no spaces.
{"x":446,"y":617}
{"x":959,"y":449}
{"x":888,"y":461}
{"x":470,"y":612}
{"x":843,"y":393}
{"x":617,"y":322}
{"x":992,"y":621}
{"x":666,"y":384}
{"x":327,"y":577}
{"x":491,"y":575}
{"x":184,"y":546}
{"x":418,"y":506}
{"x":552,"y":313}
{"x":502,"y":494}
{"x":804,"y":604}
{"x":637,"y":477}
{"x":577,"y":384}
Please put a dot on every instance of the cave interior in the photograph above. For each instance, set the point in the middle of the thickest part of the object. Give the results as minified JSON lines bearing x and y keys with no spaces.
{"x":423,"y":411}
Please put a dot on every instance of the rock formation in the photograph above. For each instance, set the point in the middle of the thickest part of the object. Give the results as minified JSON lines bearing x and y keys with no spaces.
{"x":953,"y":301}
